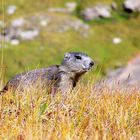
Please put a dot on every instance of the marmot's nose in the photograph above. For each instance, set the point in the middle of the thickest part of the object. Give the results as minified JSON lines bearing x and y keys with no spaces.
{"x":91,"y":63}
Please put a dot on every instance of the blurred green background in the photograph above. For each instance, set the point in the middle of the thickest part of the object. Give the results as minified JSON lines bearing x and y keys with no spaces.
{"x":49,"y":47}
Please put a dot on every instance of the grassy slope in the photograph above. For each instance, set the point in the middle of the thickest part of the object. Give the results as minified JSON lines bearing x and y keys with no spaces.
{"x":80,"y":115}
{"x":49,"y":48}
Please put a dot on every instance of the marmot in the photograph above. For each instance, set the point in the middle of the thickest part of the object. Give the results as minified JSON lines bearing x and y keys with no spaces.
{"x":58,"y":77}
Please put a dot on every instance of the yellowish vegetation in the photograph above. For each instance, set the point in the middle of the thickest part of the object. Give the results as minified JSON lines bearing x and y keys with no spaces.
{"x":80,"y":115}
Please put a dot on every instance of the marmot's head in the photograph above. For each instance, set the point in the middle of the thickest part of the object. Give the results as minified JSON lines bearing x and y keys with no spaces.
{"x":77,"y":62}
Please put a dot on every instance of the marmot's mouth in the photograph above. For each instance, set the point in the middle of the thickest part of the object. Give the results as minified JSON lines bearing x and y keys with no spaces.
{"x":85,"y":68}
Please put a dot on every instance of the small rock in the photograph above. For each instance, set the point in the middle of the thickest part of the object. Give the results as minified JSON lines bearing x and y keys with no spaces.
{"x":132,"y":5}
{"x":71,"y":6}
{"x":29,"y":34}
{"x":78,"y":24}
{"x":44,"y":22}
{"x":97,"y":12}
{"x":59,"y":10}
{"x":11,"y":9}
{"x":117,"y":40}
{"x":18,"y":22}
{"x":14,"y":42}
{"x":126,"y":77}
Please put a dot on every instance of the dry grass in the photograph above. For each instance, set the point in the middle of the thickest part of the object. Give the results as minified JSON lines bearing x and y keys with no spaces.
{"x":80,"y":115}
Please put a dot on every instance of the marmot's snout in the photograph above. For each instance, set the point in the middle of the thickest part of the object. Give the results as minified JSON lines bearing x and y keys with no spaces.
{"x":91,"y":64}
{"x":88,"y":64}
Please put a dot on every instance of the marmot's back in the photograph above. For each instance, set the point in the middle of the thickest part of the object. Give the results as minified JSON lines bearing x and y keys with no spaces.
{"x":33,"y":78}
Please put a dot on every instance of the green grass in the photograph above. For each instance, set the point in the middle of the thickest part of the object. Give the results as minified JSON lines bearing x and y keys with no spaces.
{"x":49,"y":48}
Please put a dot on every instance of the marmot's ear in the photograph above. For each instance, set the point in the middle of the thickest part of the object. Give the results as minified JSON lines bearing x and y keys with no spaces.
{"x":67,"y":55}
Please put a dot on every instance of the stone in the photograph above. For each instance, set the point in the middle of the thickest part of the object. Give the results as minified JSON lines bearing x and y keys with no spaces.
{"x":11,"y":9}
{"x":26,"y":29}
{"x":29,"y":34}
{"x":14,"y":42}
{"x":18,"y":22}
{"x":97,"y":11}
{"x":71,"y":6}
{"x":44,"y":22}
{"x":59,"y":10}
{"x":127,"y":77}
{"x":116,"y":40}
{"x":78,"y":24}
{"x":132,"y":5}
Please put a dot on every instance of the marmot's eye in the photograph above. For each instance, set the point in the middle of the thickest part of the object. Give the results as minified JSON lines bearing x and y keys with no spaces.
{"x":78,"y":57}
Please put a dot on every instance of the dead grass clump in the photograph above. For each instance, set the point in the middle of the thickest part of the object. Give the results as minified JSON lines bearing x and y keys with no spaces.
{"x":81,"y":114}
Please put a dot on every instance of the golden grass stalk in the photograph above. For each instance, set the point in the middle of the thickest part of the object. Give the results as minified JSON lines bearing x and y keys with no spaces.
{"x":82,"y":114}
